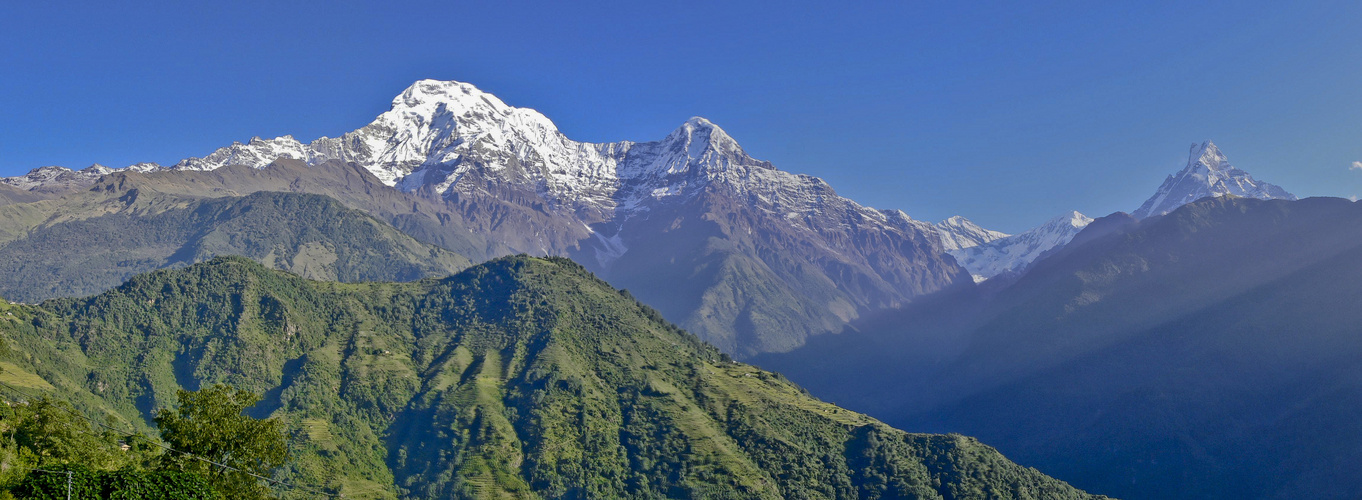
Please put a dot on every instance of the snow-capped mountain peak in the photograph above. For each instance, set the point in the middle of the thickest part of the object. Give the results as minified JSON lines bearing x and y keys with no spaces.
{"x":699,"y":134}
{"x":1208,"y":173}
{"x":56,"y":177}
{"x":1014,"y":253}
{"x":1073,"y":219}
{"x":451,"y":138}
{"x":958,"y":232}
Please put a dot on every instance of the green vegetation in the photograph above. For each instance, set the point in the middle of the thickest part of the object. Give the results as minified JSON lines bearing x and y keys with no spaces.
{"x":48,"y":450}
{"x":89,"y":484}
{"x":220,"y":443}
{"x":519,"y":378}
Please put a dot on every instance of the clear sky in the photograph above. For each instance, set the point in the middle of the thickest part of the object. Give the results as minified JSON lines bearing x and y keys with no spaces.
{"x":1009,"y":113}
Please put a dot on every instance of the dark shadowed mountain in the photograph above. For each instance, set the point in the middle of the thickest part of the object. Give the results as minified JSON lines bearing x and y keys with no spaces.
{"x":1208,"y":353}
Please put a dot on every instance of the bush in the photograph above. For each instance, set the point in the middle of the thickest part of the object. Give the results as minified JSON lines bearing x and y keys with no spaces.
{"x":127,"y":484}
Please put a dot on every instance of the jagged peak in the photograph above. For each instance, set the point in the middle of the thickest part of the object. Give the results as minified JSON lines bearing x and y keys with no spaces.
{"x":428,"y":102}
{"x":957,"y":221}
{"x":699,"y":125}
{"x":426,"y":90}
{"x":143,"y":167}
{"x":1072,"y":218}
{"x":49,"y":170}
{"x":1207,"y":154}
{"x":282,"y":138}
{"x":699,"y":131}
{"x":958,"y":232}
{"x":1208,"y":173}
{"x":701,"y":122}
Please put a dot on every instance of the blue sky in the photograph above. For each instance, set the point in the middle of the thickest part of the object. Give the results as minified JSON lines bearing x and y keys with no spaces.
{"x":1006,"y":113}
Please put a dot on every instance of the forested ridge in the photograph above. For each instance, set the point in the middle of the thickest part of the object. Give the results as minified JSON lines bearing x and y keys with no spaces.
{"x":521,"y":378}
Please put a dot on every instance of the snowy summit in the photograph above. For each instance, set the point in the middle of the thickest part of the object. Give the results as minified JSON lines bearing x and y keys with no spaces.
{"x":1014,"y":253}
{"x":1208,"y":173}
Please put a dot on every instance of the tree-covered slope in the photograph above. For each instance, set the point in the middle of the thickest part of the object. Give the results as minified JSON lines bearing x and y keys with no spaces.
{"x":1208,"y":353}
{"x":89,"y":243}
{"x":519,"y":378}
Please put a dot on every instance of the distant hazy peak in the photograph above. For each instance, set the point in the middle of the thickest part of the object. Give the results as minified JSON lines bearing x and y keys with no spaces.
{"x":1071,"y":219}
{"x":958,"y":232}
{"x":1208,"y":173}
{"x":1014,"y":253}
{"x":56,"y":177}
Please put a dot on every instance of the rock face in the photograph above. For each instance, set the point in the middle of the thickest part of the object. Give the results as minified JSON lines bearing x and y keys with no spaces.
{"x":1208,"y":173}
{"x":750,"y":257}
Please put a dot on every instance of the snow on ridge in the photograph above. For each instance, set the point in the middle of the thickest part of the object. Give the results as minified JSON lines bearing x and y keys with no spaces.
{"x":958,"y":232}
{"x":451,"y":137}
{"x":61,"y":177}
{"x":1014,"y":253}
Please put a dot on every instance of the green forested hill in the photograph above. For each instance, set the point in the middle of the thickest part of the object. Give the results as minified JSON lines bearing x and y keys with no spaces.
{"x":109,"y":239}
{"x":519,"y":378}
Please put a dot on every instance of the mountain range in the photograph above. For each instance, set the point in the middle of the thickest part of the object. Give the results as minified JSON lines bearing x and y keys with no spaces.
{"x":767,"y":258}
{"x":1172,"y":353}
{"x":1004,"y":254}
{"x":987,"y":254}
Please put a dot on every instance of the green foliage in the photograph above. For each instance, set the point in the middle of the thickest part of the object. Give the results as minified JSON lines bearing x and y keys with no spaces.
{"x":47,"y":432}
{"x":209,"y":424}
{"x":518,"y":378}
{"x":90,"y":484}
{"x":45,"y":438}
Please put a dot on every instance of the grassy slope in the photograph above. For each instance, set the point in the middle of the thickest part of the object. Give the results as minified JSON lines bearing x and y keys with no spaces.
{"x":519,"y":378}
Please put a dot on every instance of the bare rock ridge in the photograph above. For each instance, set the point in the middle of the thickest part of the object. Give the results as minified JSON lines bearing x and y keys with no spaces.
{"x":751,"y":258}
